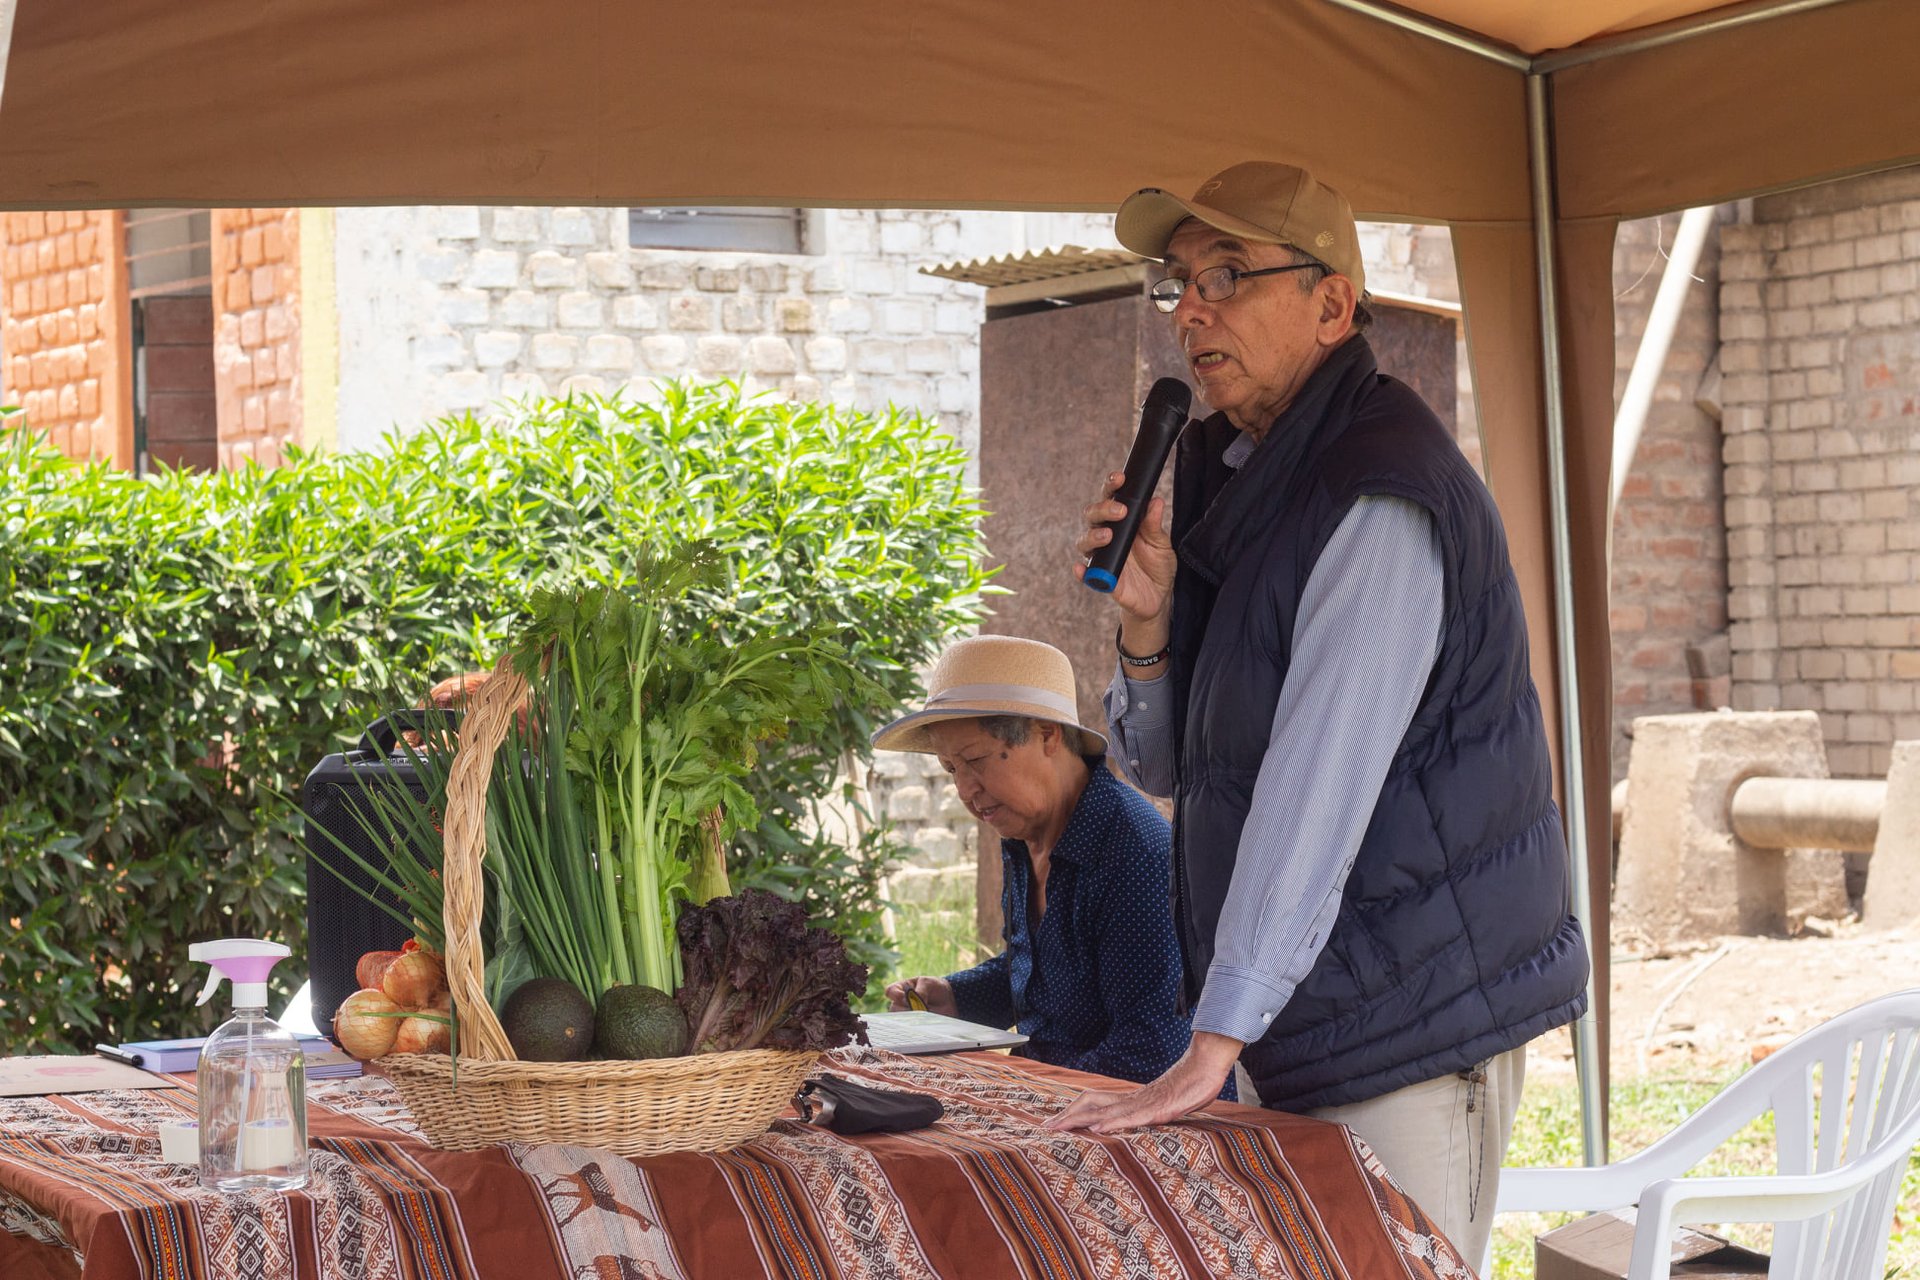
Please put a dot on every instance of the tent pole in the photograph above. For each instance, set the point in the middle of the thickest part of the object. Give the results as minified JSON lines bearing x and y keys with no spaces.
{"x":1636,"y":402}
{"x":1666,"y":33}
{"x":1546,"y":246}
{"x":7,"y":8}
{"x":1434,"y":29}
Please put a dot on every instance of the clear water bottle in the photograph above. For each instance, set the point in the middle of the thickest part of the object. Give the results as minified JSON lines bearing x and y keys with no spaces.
{"x":252,"y":1078}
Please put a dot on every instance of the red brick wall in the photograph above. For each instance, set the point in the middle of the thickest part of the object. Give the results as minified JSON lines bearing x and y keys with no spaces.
{"x":63,"y":329}
{"x":256,"y":332}
{"x":1669,"y":536}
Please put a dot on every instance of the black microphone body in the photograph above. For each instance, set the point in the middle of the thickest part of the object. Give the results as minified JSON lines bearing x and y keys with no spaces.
{"x":1161,"y":420}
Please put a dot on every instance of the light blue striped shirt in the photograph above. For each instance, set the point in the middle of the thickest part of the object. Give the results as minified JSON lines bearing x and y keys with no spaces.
{"x":1365,"y":641}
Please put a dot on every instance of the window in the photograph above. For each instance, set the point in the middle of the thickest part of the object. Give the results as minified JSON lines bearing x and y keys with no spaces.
{"x":750,"y":229}
{"x":169,"y":251}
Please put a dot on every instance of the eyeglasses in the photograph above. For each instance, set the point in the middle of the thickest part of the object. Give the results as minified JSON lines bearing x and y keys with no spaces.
{"x":1216,"y":284}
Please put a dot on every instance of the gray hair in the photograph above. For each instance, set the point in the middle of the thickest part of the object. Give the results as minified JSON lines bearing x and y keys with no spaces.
{"x":1362,"y":314}
{"x":1008,"y":731}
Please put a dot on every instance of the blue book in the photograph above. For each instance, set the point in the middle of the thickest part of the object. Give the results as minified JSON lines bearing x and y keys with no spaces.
{"x":167,"y":1056}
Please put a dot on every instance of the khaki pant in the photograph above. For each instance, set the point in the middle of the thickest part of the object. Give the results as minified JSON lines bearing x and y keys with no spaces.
{"x":1443,"y":1141}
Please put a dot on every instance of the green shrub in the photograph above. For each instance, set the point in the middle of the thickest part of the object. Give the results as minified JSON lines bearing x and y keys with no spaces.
{"x":176,"y":653}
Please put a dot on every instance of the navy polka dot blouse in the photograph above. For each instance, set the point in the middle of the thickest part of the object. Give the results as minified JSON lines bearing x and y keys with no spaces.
{"x":1095,"y":986}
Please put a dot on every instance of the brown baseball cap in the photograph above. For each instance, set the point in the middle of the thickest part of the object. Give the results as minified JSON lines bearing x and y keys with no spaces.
{"x":1260,"y":200}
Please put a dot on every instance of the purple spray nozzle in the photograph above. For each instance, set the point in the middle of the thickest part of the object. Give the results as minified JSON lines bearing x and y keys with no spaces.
{"x":245,"y":962}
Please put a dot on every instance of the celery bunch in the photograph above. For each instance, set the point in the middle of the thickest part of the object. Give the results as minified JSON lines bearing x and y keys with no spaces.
{"x":645,"y":721}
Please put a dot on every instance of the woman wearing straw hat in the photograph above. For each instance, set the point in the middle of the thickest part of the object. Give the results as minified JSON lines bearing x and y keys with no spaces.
{"x":1091,"y":969}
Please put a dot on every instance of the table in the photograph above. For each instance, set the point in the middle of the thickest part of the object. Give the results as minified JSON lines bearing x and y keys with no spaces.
{"x":983,"y":1195}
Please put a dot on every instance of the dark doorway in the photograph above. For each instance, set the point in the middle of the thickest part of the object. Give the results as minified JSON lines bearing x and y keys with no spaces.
{"x":169,"y":283}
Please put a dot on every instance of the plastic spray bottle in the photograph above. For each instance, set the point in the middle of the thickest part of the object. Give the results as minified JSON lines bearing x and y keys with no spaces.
{"x":253,"y":1084}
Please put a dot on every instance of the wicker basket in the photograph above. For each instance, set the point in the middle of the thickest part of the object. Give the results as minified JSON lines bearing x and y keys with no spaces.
{"x":701,"y":1102}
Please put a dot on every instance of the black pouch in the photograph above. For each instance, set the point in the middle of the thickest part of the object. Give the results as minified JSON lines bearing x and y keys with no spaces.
{"x":846,"y":1107}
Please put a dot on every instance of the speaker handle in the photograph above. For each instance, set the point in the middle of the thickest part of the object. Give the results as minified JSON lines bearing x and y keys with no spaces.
{"x":381,"y":735}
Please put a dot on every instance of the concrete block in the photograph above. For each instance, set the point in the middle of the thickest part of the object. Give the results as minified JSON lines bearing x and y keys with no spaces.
{"x":948,"y":805}
{"x":1683,"y":873}
{"x":936,"y":847}
{"x":666,"y":353}
{"x":581,"y":310}
{"x":635,"y":312}
{"x":550,"y":270}
{"x":524,"y":310}
{"x":890,"y":764}
{"x":1893,"y":876}
{"x":909,"y":804}
{"x":518,"y":224}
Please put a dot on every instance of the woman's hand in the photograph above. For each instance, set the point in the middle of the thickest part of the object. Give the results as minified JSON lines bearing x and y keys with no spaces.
{"x":1145,"y":586}
{"x":1184,"y":1087}
{"x":936,"y":995}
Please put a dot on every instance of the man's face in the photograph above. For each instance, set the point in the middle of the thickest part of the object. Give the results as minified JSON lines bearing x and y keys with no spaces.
{"x":1250,"y":353}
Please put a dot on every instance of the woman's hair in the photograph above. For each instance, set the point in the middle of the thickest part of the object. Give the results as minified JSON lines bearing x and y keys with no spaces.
{"x":1008,"y":731}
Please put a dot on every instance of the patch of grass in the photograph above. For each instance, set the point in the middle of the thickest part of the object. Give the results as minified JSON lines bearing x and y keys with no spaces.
{"x":1546,"y":1133}
{"x":937,"y":937}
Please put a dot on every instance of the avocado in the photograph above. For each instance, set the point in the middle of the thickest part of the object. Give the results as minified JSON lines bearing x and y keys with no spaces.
{"x":639,"y":1022}
{"x":548,"y":1020}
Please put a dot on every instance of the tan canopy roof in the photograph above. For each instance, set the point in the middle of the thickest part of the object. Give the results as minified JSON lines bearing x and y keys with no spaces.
{"x":1028,"y":104}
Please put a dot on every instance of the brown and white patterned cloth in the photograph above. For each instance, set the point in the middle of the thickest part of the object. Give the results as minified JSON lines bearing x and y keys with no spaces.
{"x":985,"y":1194}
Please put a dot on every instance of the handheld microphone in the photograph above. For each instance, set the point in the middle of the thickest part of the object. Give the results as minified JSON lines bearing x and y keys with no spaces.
{"x":1161,"y":419}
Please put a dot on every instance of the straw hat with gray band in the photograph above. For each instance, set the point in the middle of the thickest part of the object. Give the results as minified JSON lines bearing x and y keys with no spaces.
{"x":1262,"y":201}
{"x":995,"y":676}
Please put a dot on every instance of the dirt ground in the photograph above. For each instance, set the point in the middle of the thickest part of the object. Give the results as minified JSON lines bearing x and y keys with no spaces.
{"x":1710,"y":1007}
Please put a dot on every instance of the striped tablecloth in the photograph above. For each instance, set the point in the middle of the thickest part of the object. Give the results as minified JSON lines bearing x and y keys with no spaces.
{"x":983,"y":1194}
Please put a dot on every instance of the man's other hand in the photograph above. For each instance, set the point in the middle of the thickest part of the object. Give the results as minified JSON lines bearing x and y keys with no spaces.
{"x":1185,"y":1087}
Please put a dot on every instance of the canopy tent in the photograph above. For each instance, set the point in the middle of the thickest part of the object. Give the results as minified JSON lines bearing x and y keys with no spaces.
{"x":1531,"y":127}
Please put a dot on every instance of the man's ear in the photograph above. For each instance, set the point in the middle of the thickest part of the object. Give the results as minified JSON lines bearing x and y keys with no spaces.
{"x":1338,"y":299}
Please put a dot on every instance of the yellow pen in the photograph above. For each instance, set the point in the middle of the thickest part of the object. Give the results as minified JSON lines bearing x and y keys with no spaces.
{"x":914,"y":1001}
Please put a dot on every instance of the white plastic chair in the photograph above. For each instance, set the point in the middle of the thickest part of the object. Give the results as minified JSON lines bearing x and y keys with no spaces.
{"x":1845,"y":1098}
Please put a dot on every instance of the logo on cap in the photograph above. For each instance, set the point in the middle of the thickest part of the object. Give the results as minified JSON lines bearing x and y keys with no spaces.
{"x":1209,"y":189}
{"x":1323,"y":240}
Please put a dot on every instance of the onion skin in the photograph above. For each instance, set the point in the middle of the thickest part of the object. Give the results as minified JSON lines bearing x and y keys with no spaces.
{"x":373,"y":967}
{"x":413,"y":979}
{"x":364,"y":1036}
{"x":419,"y":1035}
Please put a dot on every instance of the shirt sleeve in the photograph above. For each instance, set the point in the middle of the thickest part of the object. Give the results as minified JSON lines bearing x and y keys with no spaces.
{"x":1365,"y":641}
{"x":984,"y":993}
{"x":1140,"y":719}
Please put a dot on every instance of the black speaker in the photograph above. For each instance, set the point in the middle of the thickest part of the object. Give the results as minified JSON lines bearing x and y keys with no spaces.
{"x":342,"y":925}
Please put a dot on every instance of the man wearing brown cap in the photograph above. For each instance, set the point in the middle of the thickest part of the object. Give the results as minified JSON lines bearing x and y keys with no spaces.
{"x":1323,"y":660}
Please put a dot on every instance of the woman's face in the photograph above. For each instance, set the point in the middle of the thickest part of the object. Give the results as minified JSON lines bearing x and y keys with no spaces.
{"x":1014,"y":790}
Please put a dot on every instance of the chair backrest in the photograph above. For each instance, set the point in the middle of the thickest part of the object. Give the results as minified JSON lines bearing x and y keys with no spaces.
{"x":1850,"y":1090}
{"x":1844,"y":1092}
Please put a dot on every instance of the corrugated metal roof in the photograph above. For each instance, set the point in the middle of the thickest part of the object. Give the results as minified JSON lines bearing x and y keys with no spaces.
{"x":1035,"y":266}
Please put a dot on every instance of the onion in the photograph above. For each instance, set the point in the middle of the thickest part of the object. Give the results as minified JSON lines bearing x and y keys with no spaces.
{"x":373,"y":967}
{"x":413,"y":979}
{"x":360,"y":1034}
{"x":420,"y":1035}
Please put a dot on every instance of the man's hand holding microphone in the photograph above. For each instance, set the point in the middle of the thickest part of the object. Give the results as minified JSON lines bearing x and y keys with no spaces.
{"x":1126,"y":548}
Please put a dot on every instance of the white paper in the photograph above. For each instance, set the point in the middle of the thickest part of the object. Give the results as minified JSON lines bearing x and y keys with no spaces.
{"x":72,"y":1073}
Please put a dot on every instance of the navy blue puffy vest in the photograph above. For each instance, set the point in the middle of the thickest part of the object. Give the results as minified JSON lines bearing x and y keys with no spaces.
{"x":1453,"y":941}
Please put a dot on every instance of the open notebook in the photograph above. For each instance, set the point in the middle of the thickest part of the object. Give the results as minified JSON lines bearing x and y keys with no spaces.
{"x":917,"y":1031}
